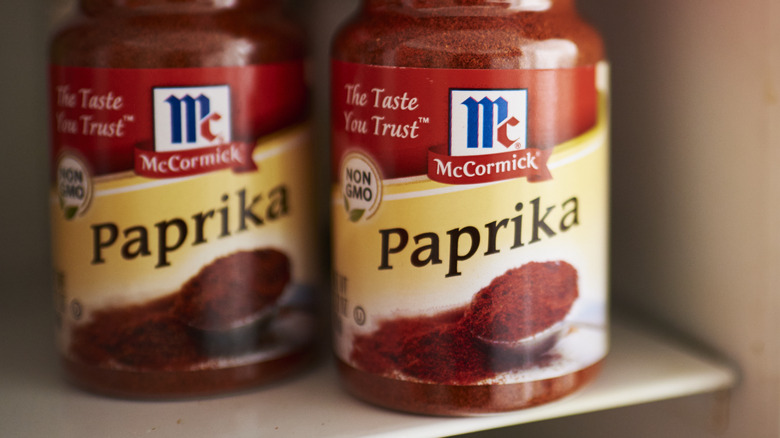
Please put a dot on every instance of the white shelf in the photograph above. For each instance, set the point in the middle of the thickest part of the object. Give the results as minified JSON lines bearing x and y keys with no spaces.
{"x":36,"y":402}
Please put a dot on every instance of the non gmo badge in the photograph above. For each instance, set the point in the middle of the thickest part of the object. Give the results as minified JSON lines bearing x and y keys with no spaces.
{"x":74,"y":185}
{"x":361,"y":186}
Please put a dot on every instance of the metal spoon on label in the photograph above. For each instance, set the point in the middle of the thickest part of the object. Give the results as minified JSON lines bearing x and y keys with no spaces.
{"x":531,"y":346}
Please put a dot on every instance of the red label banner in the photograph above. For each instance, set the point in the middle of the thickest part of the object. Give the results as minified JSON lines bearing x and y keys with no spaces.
{"x":396,"y":114}
{"x":104,"y":113}
{"x":524,"y":163}
{"x":236,"y":156}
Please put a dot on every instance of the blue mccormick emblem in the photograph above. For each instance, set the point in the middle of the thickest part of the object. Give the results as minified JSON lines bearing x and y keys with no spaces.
{"x":188,"y":118}
{"x":486,"y":122}
{"x":488,"y":140}
{"x":192,"y":135}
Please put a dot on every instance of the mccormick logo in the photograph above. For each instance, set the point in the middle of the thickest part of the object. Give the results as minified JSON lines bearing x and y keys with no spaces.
{"x":485,"y":122}
{"x":190,"y":118}
{"x":192,"y":134}
{"x":488,"y":140}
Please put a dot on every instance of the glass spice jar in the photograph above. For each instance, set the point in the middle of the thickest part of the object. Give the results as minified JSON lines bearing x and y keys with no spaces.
{"x":470,"y":192}
{"x":182,"y":223}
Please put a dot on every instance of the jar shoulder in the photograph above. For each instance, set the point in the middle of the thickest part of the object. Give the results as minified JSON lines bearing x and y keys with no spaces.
{"x":526,"y":40}
{"x":203,"y":40}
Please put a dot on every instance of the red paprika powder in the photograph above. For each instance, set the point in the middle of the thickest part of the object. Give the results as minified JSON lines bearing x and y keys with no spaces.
{"x":208,"y":301}
{"x":448,"y":348}
{"x":469,"y":148}
{"x":183,"y":242}
{"x":523,"y":301}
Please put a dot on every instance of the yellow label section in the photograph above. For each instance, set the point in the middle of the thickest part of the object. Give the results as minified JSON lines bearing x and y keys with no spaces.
{"x":141,"y":238}
{"x":429,"y":247}
{"x":565,"y":217}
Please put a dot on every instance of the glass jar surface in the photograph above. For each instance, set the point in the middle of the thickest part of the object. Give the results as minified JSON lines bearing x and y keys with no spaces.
{"x":470,"y":218}
{"x":183,"y":254}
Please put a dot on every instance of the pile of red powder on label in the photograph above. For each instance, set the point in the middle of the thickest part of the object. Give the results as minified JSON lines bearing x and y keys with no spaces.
{"x":523,"y":302}
{"x":192,"y":325}
{"x":444,"y":348}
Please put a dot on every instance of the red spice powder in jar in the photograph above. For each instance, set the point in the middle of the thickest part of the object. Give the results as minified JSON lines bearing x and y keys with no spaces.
{"x":446,"y":348}
{"x":222,"y":76}
{"x":434,"y":349}
{"x":145,"y":336}
{"x":172,"y":34}
{"x":433,"y":364}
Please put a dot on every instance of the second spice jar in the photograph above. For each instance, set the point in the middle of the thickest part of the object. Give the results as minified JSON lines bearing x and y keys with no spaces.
{"x":183,"y":232}
{"x":470,"y":203}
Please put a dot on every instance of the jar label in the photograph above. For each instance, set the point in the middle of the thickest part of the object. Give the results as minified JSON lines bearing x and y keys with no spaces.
{"x":470,"y":222}
{"x":182,"y":216}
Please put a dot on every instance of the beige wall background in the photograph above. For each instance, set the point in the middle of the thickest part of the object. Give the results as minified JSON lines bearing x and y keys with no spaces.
{"x":23,"y":174}
{"x":696,"y":188}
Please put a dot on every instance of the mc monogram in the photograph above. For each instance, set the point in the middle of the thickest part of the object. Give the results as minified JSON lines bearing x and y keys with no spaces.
{"x":486,"y":122}
{"x":191,"y":117}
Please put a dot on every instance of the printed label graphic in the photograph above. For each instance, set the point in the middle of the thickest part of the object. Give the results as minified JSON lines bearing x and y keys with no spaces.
{"x":191,"y":117}
{"x":488,"y":140}
{"x":470,"y":222}
{"x":362,"y":188}
{"x":192,"y":134}
{"x":182,"y":216}
{"x":487,"y":122}
{"x":74,"y":184}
